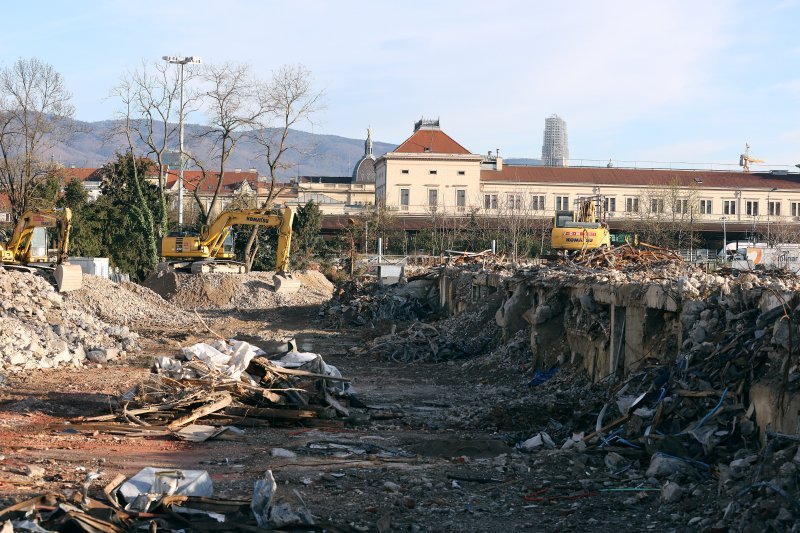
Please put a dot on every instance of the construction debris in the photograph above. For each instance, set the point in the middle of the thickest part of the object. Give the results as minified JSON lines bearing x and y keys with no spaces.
{"x":126,"y":304}
{"x":162,"y":500}
{"x":41,"y":329}
{"x":230,"y":383}
{"x":627,"y":257}
{"x":361,"y":303}
{"x":251,"y":291}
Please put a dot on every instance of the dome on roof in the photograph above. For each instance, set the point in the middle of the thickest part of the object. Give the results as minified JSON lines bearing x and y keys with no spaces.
{"x":365,"y":170}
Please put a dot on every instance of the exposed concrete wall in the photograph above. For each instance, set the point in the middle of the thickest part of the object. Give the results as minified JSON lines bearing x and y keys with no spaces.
{"x":613,"y":329}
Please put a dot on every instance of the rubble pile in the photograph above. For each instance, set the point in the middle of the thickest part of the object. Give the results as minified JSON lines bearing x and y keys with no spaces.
{"x":628,"y":257}
{"x":693,"y":415}
{"x":162,"y":499}
{"x":359,"y":303}
{"x":232,"y":382}
{"x":126,"y":304}
{"x":251,"y":291}
{"x":472,"y":332}
{"x":41,"y":330}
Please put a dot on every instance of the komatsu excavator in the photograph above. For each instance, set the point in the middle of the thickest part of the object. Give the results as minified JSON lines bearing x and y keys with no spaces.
{"x":28,"y":246}
{"x":582,"y":228}
{"x":211,"y":250}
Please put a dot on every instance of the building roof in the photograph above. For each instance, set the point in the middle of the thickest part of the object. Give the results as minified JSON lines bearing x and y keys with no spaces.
{"x":364,"y":172}
{"x":193,"y":180}
{"x":641,"y":177}
{"x":435,"y":141}
{"x":82,"y":174}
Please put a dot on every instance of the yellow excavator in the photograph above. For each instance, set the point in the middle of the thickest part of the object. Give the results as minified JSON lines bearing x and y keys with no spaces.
{"x":28,"y":246}
{"x":581,"y":229}
{"x":211,"y":249}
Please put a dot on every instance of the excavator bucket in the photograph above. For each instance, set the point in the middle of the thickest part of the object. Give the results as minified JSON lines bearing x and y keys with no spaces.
{"x":68,"y":277}
{"x":285,"y":284}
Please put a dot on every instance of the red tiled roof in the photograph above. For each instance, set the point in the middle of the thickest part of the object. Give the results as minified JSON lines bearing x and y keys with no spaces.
{"x":641,"y":177}
{"x":5,"y":201}
{"x":83,"y":174}
{"x":431,"y":141}
{"x":194,"y":178}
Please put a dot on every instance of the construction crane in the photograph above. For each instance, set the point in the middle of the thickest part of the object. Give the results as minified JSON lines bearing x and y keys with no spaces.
{"x":211,"y":249}
{"x":745,"y":159}
{"x":28,"y":246}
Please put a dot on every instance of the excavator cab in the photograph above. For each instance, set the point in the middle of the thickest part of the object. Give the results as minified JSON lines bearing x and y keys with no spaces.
{"x":582,"y":228}
{"x":28,"y":246}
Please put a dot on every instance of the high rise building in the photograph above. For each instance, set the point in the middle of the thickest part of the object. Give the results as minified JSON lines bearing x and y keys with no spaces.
{"x":555,"y":148}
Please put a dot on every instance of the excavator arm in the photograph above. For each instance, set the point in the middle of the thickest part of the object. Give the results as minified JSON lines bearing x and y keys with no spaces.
{"x":214,"y":236}
{"x":18,"y":249}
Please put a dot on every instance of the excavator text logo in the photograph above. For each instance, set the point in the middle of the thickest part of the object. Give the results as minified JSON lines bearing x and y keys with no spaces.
{"x":262,"y":220}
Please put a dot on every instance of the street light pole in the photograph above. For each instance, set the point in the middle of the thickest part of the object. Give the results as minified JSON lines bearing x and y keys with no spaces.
{"x":181,"y":61}
{"x":724,"y":241}
{"x":769,"y":211}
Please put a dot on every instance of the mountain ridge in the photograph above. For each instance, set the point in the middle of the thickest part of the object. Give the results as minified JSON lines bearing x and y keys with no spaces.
{"x":312,"y":154}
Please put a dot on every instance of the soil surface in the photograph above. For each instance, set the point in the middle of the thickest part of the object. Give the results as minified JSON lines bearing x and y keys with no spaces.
{"x":434,"y":452}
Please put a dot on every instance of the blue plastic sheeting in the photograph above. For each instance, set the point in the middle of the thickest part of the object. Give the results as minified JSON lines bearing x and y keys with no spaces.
{"x":541,"y":376}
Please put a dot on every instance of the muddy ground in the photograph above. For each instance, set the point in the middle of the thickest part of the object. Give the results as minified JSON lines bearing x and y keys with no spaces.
{"x":435,"y":452}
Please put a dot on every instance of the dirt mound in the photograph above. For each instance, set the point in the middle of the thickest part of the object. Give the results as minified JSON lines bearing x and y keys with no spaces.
{"x":125,"y":304}
{"x":251,"y":291}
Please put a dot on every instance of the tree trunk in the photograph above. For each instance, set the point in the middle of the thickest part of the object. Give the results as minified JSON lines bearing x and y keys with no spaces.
{"x":250,"y":250}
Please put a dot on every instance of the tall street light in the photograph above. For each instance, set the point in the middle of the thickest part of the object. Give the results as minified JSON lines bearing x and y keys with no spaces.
{"x":178,"y":60}
{"x":724,"y":241}
{"x":769,"y":211}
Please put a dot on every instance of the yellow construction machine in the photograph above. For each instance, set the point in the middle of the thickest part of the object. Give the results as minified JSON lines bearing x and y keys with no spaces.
{"x":28,"y":246}
{"x":211,"y":249}
{"x":582,"y":228}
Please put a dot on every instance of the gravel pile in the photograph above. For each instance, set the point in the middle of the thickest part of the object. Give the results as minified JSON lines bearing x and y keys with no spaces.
{"x":41,"y":330}
{"x":252,"y":291}
{"x":126,"y":304}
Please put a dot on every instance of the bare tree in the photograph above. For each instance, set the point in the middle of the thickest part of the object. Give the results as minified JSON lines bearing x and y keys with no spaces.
{"x":234,"y":107}
{"x":139,"y":209}
{"x":287,"y":99}
{"x":35,"y":116}
{"x":155,"y":109}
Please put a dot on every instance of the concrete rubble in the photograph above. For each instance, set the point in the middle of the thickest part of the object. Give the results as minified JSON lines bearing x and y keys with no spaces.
{"x":42,"y":329}
{"x":624,"y":389}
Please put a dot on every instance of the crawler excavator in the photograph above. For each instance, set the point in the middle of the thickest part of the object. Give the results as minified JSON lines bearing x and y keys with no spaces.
{"x":581,"y":229}
{"x":211,"y":250}
{"x":27,"y":248}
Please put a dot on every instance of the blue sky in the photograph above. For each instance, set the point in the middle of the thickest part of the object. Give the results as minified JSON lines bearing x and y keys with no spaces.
{"x":665,"y":81}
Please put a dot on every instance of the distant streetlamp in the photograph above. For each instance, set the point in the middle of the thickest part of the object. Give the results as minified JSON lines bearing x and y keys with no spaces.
{"x":769,"y":211}
{"x":724,"y":240}
{"x":181,"y":61}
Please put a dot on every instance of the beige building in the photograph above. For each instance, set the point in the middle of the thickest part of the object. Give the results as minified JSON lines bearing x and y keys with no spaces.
{"x":429,"y":172}
{"x":432,"y":172}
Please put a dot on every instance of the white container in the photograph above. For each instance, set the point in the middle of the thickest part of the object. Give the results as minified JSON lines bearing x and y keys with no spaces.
{"x":96,"y":266}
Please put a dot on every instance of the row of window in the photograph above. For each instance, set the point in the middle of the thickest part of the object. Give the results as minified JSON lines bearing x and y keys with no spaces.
{"x":657,"y":205}
{"x":433,"y":198}
{"x":433,"y":172}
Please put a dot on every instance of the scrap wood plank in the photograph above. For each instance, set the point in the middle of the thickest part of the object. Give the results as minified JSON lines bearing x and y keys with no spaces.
{"x":224,"y":400}
{"x":267,"y":365}
{"x":266,"y":412}
{"x":142,"y":410}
